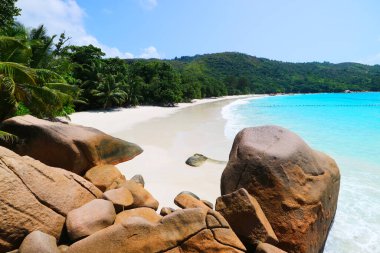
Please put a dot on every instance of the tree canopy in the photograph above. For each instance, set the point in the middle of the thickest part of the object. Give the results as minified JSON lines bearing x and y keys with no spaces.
{"x":8,"y":11}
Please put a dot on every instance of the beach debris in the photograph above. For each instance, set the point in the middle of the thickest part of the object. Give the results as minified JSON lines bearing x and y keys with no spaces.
{"x":38,"y":241}
{"x":182,"y":231}
{"x":138,"y":179}
{"x":143,"y":212}
{"x":103,"y":176}
{"x":90,"y":218}
{"x":121,"y":198}
{"x":296,"y":186}
{"x":246,"y":218}
{"x":187,"y":200}
{"x":34,"y":196}
{"x":71,"y":147}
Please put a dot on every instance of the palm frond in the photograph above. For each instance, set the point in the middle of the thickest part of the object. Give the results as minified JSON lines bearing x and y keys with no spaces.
{"x":14,"y":49}
{"x":19,"y":72}
{"x":38,"y":33}
{"x":48,"y":76}
{"x":64,"y":87}
{"x":7,"y":137}
{"x":7,"y":85}
{"x":41,"y":45}
{"x":49,"y":96}
{"x":16,"y":30}
{"x":6,"y":41}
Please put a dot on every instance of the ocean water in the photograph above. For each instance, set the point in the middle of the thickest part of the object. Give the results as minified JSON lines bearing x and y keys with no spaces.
{"x":345,"y":126}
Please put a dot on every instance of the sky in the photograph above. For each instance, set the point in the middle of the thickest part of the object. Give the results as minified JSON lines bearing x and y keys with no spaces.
{"x":286,"y":30}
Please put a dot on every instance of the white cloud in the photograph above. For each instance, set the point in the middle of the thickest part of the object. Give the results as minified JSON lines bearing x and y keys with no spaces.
{"x":148,"y":4}
{"x":150,"y":52}
{"x":63,"y":16}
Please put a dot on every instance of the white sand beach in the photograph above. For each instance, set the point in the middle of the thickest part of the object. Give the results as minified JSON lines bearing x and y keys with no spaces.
{"x":169,"y":136}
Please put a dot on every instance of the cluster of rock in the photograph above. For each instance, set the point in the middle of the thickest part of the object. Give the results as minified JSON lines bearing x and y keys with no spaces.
{"x":279,"y":195}
{"x":43,"y":205}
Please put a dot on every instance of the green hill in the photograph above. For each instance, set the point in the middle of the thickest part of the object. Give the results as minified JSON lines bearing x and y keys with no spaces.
{"x":241,"y":73}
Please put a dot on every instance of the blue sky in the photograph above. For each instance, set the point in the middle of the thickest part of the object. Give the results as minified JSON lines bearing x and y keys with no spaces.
{"x":287,"y":30}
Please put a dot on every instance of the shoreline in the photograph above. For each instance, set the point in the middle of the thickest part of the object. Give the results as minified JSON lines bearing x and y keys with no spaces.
{"x":109,"y":121}
{"x":168,"y":137}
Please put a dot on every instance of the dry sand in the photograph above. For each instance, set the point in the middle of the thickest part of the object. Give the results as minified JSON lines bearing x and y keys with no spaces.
{"x":169,"y":136}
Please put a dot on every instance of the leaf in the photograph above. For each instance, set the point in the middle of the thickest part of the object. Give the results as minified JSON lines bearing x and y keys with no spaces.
{"x":19,"y":72}
{"x":7,"y":137}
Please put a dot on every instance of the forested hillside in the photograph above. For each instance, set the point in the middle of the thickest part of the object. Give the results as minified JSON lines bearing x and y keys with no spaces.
{"x":241,"y":73}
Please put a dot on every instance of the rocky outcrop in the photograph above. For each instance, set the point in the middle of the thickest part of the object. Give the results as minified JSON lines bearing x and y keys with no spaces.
{"x":296,"y":186}
{"x":208,"y":203}
{"x":166,"y":210}
{"x":63,"y":248}
{"x":72,"y":147}
{"x":103,"y":176}
{"x":38,"y":242}
{"x":189,"y":200}
{"x":143,"y":212}
{"x":189,"y":230}
{"x":276,"y":189}
{"x":121,"y":198}
{"x":90,"y":218}
{"x":34,"y":196}
{"x":268,"y":248}
{"x":196,"y":160}
{"x":138,"y":179}
{"x":141,"y":197}
{"x":246,"y":218}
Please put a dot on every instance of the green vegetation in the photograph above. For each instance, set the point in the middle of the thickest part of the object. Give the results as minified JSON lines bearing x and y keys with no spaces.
{"x":41,"y":75}
{"x":26,"y":82}
{"x":8,"y":11}
{"x":242,"y":74}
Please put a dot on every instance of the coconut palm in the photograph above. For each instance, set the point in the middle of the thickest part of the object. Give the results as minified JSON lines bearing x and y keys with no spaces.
{"x":41,"y":46}
{"x":15,"y":45}
{"x":109,"y":92}
{"x":43,"y":91}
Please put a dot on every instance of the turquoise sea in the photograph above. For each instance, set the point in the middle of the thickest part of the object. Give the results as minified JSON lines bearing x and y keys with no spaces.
{"x":345,"y":126}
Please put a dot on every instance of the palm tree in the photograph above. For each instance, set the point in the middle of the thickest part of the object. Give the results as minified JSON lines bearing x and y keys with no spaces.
{"x":43,"y":91}
{"x":109,"y":92}
{"x":13,"y":78}
{"x":41,"y":45}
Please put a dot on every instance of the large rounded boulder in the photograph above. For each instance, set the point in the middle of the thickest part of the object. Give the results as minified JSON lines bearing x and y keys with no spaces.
{"x":297,"y":187}
{"x":71,"y":147}
{"x":34,"y":196}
